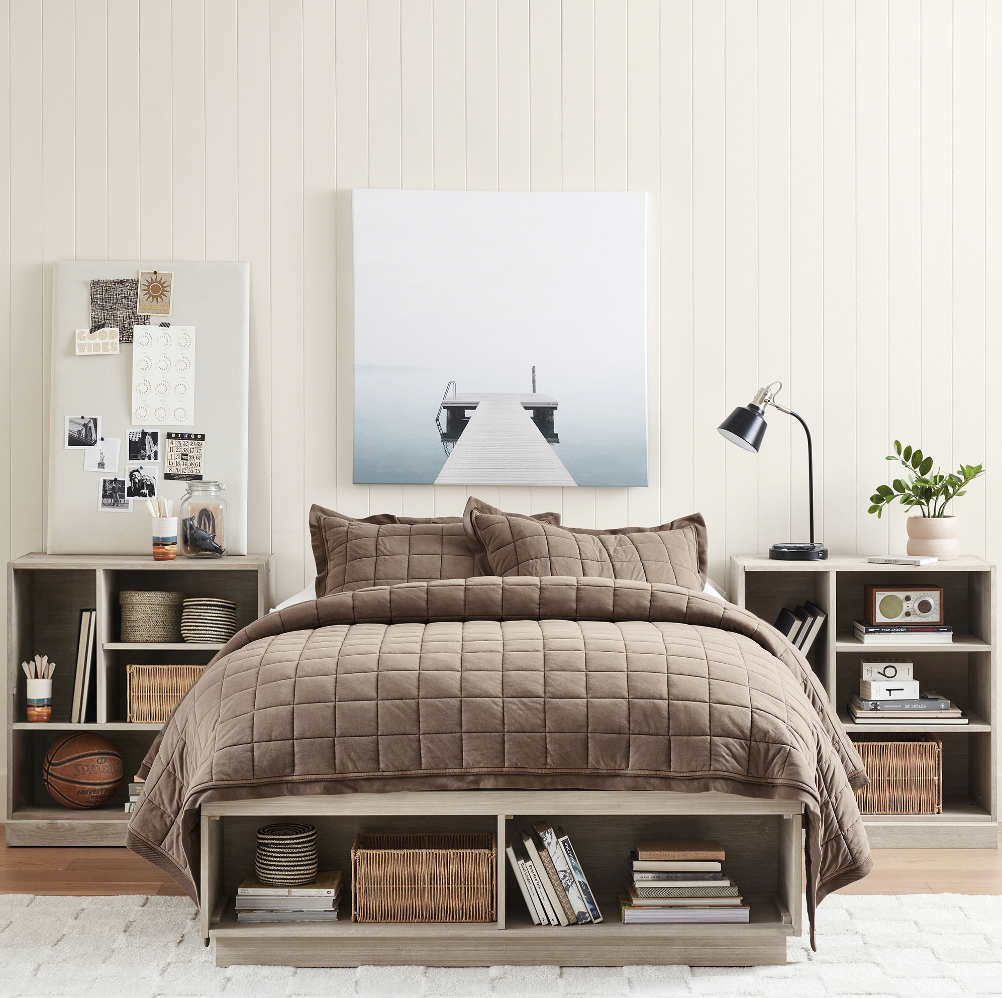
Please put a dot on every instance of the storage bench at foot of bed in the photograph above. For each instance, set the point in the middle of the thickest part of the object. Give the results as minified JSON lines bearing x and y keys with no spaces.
{"x":763,"y":840}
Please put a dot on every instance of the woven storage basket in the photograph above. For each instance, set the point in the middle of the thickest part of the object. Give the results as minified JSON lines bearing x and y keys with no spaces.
{"x":905,"y":777}
{"x":155,"y":690}
{"x":424,"y":878}
{"x":150,"y":616}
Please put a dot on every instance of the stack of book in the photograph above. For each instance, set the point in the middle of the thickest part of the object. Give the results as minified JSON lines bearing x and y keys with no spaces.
{"x":681,"y":880}
{"x":313,"y":902}
{"x":889,"y":693}
{"x":553,"y":884}
{"x":135,"y":789}
{"x":894,"y":634}
{"x":801,"y":625}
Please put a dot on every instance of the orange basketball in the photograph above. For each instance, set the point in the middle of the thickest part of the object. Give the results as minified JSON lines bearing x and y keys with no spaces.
{"x":82,"y":770}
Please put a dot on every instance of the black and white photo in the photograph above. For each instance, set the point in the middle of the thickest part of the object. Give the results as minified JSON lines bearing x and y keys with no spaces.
{"x":113,"y":498}
{"x":104,"y":457}
{"x":141,"y":481}
{"x":82,"y":431}
{"x":144,"y":445}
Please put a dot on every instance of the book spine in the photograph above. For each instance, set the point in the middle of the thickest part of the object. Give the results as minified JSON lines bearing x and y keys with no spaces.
{"x":582,"y":880}
{"x":565,"y":875}
{"x":541,"y":892}
{"x":513,"y":862}
{"x":532,"y":898}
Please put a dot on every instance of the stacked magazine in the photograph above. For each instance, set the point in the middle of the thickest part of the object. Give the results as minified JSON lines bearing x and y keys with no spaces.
{"x":313,"y":902}
{"x":681,"y":880}
{"x":550,"y":877}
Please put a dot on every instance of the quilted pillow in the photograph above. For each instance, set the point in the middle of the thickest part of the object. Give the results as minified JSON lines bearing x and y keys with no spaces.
{"x":385,"y":549}
{"x":476,"y":545}
{"x":674,"y":552}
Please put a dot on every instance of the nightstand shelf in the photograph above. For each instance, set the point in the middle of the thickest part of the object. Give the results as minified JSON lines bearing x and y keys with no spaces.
{"x":963,"y":670}
{"x":45,"y":596}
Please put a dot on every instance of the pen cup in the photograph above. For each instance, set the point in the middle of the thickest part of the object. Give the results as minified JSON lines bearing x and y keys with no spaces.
{"x":164,"y":538}
{"x":39,"y":700}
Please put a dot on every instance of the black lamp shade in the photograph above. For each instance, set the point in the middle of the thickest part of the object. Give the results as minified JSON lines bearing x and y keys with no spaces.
{"x":744,"y":427}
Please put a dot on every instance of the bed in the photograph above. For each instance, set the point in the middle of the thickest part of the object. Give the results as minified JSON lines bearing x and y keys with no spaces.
{"x":551,"y":673}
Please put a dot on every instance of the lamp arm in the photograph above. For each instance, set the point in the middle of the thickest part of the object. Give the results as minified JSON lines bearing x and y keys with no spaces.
{"x":810,"y":461}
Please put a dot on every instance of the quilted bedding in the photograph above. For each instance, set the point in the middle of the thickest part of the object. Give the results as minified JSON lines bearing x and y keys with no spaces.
{"x":506,"y":683}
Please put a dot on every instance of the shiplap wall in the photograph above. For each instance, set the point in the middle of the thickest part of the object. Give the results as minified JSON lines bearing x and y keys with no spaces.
{"x":824,"y":197}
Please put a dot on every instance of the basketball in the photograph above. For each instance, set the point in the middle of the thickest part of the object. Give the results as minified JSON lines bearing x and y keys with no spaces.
{"x":82,"y":770}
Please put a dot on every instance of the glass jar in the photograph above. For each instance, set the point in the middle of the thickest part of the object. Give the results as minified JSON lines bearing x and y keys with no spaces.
{"x":202,"y":531}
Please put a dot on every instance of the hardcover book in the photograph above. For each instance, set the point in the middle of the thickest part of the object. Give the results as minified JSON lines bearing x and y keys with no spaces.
{"x":680,"y":849}
{"x":516,"y":868}
{"x":551,"y":882}
{"x":579,"y":876}
{"x":326,"y":884}
{"x":929,"y":700}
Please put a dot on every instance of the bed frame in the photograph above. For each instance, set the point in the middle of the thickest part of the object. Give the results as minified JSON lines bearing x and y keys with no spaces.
{"x":763,"y":840}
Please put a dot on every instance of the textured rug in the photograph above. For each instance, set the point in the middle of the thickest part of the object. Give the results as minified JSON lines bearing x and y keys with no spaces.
{"x":138,"y":947}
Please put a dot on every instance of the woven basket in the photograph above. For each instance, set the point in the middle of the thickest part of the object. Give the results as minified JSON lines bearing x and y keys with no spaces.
{"x":905,"y":777}
{"x":286,"y":854}
{"x":149,"y":617}
{"x":155,"y":690}
{"x":424,"y":878}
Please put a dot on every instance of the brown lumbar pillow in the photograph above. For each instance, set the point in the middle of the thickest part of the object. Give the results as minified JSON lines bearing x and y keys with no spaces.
{"x":385,"y":549}
{"x":674,"y":552}
{"x":474,"y":505}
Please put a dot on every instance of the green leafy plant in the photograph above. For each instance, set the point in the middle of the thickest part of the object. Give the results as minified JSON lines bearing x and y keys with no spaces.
{"x":923,"y":489}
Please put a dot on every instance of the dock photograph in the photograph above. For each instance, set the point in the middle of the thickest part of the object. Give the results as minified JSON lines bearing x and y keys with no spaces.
{"x":482,"y":330}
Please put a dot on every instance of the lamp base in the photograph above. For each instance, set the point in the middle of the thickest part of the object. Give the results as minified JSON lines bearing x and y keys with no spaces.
{"x":796,"y":551}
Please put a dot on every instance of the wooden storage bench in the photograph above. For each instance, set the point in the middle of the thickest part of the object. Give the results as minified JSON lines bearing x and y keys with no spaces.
{"x":763,"y":840}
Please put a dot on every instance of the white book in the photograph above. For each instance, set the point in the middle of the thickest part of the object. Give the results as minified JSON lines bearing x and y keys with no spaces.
{"x":326,"y":884}
{"x":544,"y":901}
{"x":513,"y":860}
{"x":536,"y":905}
{"x":676,"y":866}
{"x":530,"y":848}
{"x":889,"y":689}
{"x":78,"y":675}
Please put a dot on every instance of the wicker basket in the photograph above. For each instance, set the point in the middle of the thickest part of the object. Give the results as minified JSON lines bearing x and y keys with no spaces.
{"x":155,"y":690}
{"x":150,"y":617}
{"x":424,"y":878}
{"x":905,"y":777}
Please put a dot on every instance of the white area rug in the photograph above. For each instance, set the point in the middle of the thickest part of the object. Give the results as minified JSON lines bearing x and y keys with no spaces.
{"x":138,"y":947}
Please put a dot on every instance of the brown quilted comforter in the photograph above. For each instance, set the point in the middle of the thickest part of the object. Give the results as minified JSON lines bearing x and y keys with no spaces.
{"x":506,"y":683}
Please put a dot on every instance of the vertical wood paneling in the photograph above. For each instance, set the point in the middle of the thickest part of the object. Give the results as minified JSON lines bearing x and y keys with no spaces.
{"x":774,"y":291}
{"x":741,"y":369}
{"x":123,"y":131}
{"x":91,"y":132}
{"x":288,"y":356}
{"x":156,"y":188}
{"x":708,"y":280}
{"x":482,"y":95}
{"x":872,"y":276}
{"x":839,"y":465}
{"x":904,"y":239}
{"x":221,"y":133}
{"x":254,"y":222}
{"x":188,"y":129}
{"x":6,"y":493}
{"x":993,"y":267}
{"x":676,"y":279}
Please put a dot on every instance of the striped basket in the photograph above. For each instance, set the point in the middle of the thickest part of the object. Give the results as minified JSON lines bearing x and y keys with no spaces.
{"x":153,"y":691}
{"x":286,"y":854}
{"x":424,"y":878}
{"x":905,"y":777}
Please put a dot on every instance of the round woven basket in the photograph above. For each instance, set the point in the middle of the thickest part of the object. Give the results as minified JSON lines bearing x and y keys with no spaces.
{"x":286,"y":855}
{"x":208,"y":620}
{"x":150,"y":616}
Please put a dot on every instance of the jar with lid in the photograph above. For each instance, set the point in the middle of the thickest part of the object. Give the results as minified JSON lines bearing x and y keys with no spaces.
{"x":203,"y":520}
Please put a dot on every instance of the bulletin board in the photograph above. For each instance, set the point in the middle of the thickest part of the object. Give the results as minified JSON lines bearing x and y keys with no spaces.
{"x":214,"y":299}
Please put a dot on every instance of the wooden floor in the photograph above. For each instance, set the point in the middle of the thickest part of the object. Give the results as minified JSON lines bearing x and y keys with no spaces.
{"x":118,"y":871}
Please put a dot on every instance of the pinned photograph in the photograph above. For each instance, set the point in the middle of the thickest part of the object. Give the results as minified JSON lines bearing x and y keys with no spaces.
{"x":144,"y":445}
{"x":140,"y":481}
{"x":92,"y":342}
{"x":82,"y":431}
{"x":155,"y":292}
{"x":183,"y":456}
{"x":103,"y":457}
{"x":113,"y":498}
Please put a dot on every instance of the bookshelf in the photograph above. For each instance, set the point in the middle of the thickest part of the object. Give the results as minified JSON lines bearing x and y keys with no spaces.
{"x":964,"y":671}
{"x":45,"y":594}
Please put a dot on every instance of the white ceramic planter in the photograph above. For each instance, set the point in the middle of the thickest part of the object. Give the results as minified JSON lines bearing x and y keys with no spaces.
{"x":933,"y":535}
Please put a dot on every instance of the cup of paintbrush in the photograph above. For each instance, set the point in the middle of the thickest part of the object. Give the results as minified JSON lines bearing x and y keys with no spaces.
{"x":39,"y":688}
{"x":164,"y":529}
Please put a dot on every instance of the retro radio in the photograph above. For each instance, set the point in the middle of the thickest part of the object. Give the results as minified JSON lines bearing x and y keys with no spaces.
{"x":901,"y":605}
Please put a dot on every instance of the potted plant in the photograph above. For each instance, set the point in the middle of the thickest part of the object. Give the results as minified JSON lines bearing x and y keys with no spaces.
{"x":933,"y":531}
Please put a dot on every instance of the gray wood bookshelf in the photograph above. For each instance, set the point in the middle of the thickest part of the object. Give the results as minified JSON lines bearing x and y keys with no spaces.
{"x":964,"y":671}
{"x":45,"y":594}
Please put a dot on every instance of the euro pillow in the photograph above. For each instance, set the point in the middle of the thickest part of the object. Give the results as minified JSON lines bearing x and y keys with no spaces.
{"x":673,"y":553}
{"x":385,"y":549}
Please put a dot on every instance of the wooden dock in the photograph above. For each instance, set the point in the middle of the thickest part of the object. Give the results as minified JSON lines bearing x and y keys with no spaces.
{"x":501,"y":445}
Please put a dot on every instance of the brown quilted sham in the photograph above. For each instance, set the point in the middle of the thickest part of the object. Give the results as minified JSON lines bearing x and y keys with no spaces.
{"x":506,"y":683}
{"x":476,"y":545}
{"x":385,"y":549}
{"x":674,"y":553}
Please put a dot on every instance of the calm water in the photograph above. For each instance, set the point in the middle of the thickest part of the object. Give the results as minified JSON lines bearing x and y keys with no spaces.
{"x":396,"y":440}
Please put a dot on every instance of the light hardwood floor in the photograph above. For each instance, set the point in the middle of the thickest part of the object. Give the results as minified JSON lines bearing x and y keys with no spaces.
{"x":118,"y":871}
